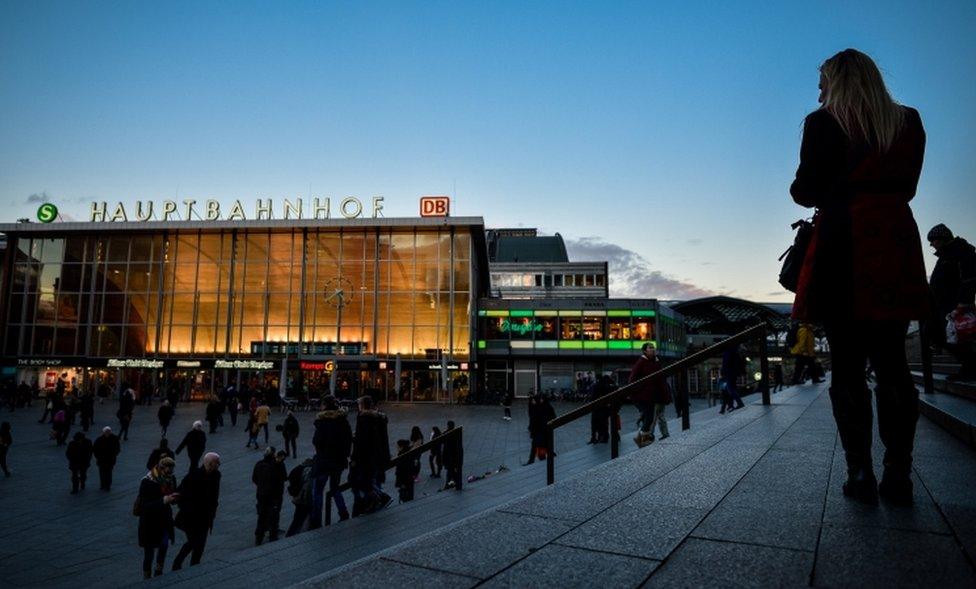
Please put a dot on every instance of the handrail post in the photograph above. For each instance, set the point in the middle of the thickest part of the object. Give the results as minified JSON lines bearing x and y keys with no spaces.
{"x":614,"y":430}
{"x":923,"y":340}
{"x":684,"y":393}
{"x":460,"y":468}
{"x":764,"y":367}
{"x":328,"y":508}
{"x":550,"y":456}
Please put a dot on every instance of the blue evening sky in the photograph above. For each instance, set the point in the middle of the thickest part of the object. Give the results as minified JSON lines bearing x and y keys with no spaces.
{"x":666,"y":131}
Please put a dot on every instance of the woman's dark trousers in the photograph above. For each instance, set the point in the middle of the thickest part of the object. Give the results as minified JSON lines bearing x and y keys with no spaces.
{"x":852,"y":344}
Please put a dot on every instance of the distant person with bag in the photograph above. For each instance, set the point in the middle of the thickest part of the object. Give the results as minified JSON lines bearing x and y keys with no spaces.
{"x":153,"y":507}
{"x":953,"y":285}
{"x":863,"y":276}
{"x":805,"y":356}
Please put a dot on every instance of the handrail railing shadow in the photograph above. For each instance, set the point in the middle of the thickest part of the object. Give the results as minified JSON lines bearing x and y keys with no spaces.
{"x":615,"y":398}
{"x":449,"y":435}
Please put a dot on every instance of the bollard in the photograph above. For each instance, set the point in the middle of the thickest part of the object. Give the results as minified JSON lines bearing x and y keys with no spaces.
{"x":328,"y":508}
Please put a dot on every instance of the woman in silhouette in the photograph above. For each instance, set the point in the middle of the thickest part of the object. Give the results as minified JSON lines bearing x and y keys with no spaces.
{"x":863,"y":275}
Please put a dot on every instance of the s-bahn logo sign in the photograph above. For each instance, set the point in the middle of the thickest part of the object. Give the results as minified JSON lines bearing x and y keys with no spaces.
{"x":210,"y":210}
{"x":47,"y":213}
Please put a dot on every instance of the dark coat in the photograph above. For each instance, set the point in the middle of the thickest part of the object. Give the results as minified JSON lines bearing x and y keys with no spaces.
{"x":269,"y":475}
{"x":540,"y":414}
{"x":106,"y":449}
{"x":195,"y":441}
{"x":199,"y":493}
{"x":954,"y":276}
{"x":156,"y":455}
{"x":332,"y":441}
{"x":79,"y":453}
{"x":290,"y":428}
{"x":865,"y":257}
{"x":127,"y":404}
{"x":653,"y":390}
{"x":214,"y":410}
{"x":371,"y":443}
{"x":732,"y":365}
{"x":165,"y":415}
{"x":453,"y":452}
{"x":156,"y":517}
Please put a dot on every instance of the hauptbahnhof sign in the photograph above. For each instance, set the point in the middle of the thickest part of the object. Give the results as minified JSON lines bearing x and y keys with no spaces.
{"x":187,"y":209}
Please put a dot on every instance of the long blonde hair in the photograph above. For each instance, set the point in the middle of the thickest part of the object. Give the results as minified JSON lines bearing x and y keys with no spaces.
{"x":855,"y":93}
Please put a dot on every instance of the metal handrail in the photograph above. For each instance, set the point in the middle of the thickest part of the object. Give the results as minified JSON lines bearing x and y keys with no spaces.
{"x":457,"y":432}
{"x":613,"y":399}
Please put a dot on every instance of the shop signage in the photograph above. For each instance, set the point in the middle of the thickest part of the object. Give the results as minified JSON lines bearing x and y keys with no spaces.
{"x":244,"y":364}
{"x":39,"y":362}
{"x":209,"y":210}
{"x":133,"y":363}
{"x":327,"y":366}
{"x":435,"y":206}
{"x":449,"y":366}
{"x":188,"y":364}
{"x":521,"y":327}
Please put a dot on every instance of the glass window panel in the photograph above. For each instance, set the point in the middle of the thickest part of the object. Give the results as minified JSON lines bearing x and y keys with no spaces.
{"x":401,"y":340}
{"x":43,"y":341}
{"x":401,"y":275}
{"x":32,"y":276}
{"x":141,"y":248}
{"x":428,"y":276}
{"x":619,"y":328}
{"x":46,"y":308}
{"x":11,"y":343}
{"x":461,"y":310}
{"x":250,"y":307}
{"x":425,"y":341}
{"x":71,"y":278}
{"x":461,"y":344}
{"x":179,"y":339}
{"x":15,"y":312}
{"x":426,"y":309}
{"x":207,"y":308}
{"x":401,"y":245}
{"x":254,"y":277}
{"x":19,"y":277}
{"x":136,"y":339}
{"x":204,"y":342}
{"x":368,"y":316}
{"x":64,"y":341}
{"x":593,"y":328}
{"x":208,"y":275}
{"x":444,"y":245}
{"x":324,"y":248}
{"x":401,"y":308}
{"x":184,"y":278}
{"x":462,"y":276}
{"x":53,"y":251}
{"x":210,"y":247}
{"x":462,"y":246}
{"x":253,"y":246}
{"x":74,"y":249}
{"x":493,"y":328}
{"x":324,"y":333}
{"x":118,"y":250}
{"x":115,"y":277}
{"x":426,"y":244}
{"x":139,"y":308}
{"x":50,"y":277}
{"x":548,"y":328}
{"x":643,"y":329}
{"x":187,"y":248}
{"x":282,"y":248}
{"x":354,"y":244}
{"x":67,"y":308}
{"x":278,"y":309}
{"x":571,"y":328}
{"x":182,"y":308}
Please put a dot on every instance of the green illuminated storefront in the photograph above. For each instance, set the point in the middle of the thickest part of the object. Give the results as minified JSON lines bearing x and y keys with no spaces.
{"x":544,"y":345}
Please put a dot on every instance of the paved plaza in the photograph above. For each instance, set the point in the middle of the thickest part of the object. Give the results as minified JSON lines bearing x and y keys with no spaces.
{"x":55,"y":539}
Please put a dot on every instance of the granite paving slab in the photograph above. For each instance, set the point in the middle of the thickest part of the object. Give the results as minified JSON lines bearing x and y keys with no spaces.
{"x":706,"y":563}
{"x":558,"y":566}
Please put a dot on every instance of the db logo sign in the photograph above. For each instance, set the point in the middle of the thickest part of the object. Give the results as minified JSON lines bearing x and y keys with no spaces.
{"x":435,"y":206}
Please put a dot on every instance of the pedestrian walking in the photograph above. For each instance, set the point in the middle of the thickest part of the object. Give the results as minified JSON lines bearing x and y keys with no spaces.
{"x":600,"y":418}
{"x":106,"y":449}
{"x":60,"y":427}
{"x":262,"y":415}
{"x":6,"y":441}
{"x":864,"y":276}
{"x":252,"y":431}
{"x":507,"y":399}
{"x":404,"y":473}
{"x":86,"y":410}
{"x":301,"y":483}
{"x":453,"y":451}
{"x":199,"y":492}
{"x":289,"y":433}
{"x":195,"y":441}
{"x":269,"y":476}
{"x":435,"y":457}
{"x":333,"y":441}
{"x":804,"y":355}
{"x":953,"y":285}
{"x":153,"y":507}
{"x":213,"y":414}
{"x":127,"y":405}
{"x":540,"y":412}
{"x":370,"y":457}
{"x":163,"y":451}
{"x":777,"y":378}
{"x":652,"y":395}
{"x":232,"y":404}
{"x":79,"y":455}
{"x":165,"y":415}
{"x":733,"y":366}
{"x":416,"y":441}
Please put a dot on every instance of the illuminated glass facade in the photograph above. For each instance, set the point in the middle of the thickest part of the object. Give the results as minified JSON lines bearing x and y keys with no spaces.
{"x":391,"y":289}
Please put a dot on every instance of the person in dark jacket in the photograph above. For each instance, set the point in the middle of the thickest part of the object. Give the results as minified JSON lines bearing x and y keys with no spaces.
{"x":6,"y":440}
{"x":86,"y":410}
{"x":199,"y":493}
{"x":370,"y":457}
{"x":541,"y":413}
{"x":507,"y":399}
{"x":157,"y":493}
{"x":269,"y":477}
{"x":289,"y":432}
{"x":195,"y":441}
{"x":163,"y":451}
{"x":165,"y":415}
{"x":404,"y":473}
{"x":651,"y":396}
{"x":231,"y":402}
{"x":860,"y":162}
{"x":953,"y":285}
{"x":79,"y":454}
{"x":301,"y":481}
{"x":127,"y":405}
{"x":435,"y":458}
{"x":61,"y":427}
{"x":106,"y":450}
{"x":453,"y":451}
{"x":333,"y":443}
{"x":214,"y":411}
{"x":732,"y":368}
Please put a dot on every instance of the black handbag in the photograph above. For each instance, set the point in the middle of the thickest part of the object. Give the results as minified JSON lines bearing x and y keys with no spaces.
{"x":792,"y":258}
